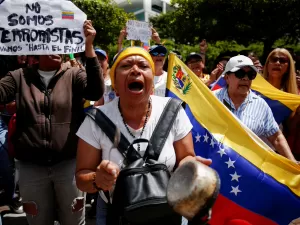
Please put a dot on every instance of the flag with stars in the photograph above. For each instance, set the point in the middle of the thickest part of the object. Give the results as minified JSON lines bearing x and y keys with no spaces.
{"x":281,"y":103}
{"x":257,"y":185}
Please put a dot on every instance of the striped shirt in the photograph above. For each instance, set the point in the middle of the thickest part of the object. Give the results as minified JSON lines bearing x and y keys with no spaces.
{"x":254,"y":112}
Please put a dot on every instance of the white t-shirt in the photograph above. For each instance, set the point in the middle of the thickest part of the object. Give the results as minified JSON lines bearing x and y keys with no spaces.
{"x":93,"y":135}
{"x":46,"y":76}
{"x":90,"y":132}
{"x":160,"y":84}
{"x":109,"y":93}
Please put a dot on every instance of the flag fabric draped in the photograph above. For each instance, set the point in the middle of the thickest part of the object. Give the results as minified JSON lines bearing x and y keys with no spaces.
{"x":145,"y":45}
{"x":257,"y":185}
{"x":88,"y":105}
{"x":281,"y":103}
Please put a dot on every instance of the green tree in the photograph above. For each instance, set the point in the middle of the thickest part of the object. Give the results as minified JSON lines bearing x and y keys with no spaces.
{"x":108,"y":19}
{"x":245,"y":21}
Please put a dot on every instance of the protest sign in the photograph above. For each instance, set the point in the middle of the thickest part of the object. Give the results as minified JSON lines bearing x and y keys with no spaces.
{"x":40,"y":27}
{"x":137,"y":30}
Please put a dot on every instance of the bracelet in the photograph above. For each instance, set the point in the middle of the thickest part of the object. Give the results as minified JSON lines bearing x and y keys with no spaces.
{"x":94,"y":183}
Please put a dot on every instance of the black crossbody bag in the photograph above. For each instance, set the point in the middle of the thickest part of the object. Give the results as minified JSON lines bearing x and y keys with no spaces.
{"x":139,"y":197}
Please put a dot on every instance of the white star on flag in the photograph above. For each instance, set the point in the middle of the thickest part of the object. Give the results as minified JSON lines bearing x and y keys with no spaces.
{"x":212,"y":142}
{"x":230,"y":163}
{"x":222,"y":152}
{"x":235,"y":190}
{"x":235,"y":176}
{"x":206,"y":137}
{"x":198,"y":137}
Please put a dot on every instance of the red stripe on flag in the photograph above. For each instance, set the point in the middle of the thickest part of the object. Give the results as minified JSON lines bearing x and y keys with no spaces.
{"x":216,"y":87}
{"x":67,"y":17}
{"x":226,"y":212}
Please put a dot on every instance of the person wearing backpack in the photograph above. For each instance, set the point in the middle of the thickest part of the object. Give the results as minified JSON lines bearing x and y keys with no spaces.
{"x":49,"y":112}
{"x":125,"y":132}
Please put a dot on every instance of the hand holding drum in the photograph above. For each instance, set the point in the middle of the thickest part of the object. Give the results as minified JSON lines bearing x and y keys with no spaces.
{"x":192,"y":191}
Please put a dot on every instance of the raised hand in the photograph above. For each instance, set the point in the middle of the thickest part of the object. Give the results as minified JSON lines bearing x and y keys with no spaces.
{"x":89,"y":32}
{"x":155,"y":36}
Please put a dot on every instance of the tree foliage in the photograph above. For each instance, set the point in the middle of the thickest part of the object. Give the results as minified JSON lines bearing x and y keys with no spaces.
{"x":245,"y":21}
{"x":108,"y":19}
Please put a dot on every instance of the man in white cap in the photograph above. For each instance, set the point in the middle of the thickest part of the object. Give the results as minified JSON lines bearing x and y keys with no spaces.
{"x":252,"y":110}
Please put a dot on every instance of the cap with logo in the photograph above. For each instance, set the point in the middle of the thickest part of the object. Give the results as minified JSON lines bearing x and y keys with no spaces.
{"x":154,"y":49}
{"x":101,"y":52}
{"x":237,"y":62}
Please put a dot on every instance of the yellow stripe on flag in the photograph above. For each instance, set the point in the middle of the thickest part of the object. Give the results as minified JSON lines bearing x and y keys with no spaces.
{"x":291,"y":101}
{"x":220,"y":122}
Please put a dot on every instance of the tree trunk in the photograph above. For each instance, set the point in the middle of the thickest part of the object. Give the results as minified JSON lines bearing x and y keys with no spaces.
{"x":267,"y":49}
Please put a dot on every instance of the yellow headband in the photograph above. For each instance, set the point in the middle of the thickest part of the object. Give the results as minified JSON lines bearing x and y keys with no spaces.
{"x":128,"y":52}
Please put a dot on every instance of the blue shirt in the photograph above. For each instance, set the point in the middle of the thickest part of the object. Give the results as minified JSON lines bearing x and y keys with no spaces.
{"x":254,"y":112}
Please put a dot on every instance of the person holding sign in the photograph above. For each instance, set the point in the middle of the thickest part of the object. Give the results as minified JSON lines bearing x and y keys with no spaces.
{"x":123,"y":33}
{"x":158,"y":53}
{"x":49,"y":112}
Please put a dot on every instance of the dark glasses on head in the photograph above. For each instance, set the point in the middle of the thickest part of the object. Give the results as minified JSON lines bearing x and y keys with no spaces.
{"x":251,"y":74}
{"x":157,"y":54}
{"x":282,"y":60}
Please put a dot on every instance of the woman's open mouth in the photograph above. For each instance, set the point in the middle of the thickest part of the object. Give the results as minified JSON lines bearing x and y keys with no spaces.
{"x":276,"y":69}
{"x":136,"y":87}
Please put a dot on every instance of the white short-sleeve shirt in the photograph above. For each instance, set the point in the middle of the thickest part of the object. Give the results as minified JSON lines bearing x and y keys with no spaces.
{"x":160,"y":84}
{"x":109,"y":93}
{"x":93,"y":135}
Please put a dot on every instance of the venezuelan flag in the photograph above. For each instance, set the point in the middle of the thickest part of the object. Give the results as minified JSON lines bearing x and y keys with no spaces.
{"x":145,"y":45}
{"x":67,"y":15}
{"x":88,"y":105}
{"x":257,"y":185}
{"x":281,"y":103}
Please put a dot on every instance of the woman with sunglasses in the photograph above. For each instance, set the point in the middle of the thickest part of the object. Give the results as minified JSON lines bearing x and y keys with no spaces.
{"x":158,"y":54}
{"x":280,"y":72}
{"x":252,"y":110}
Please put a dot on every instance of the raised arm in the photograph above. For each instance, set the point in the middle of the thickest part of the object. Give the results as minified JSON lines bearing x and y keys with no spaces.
{"x":94,"y":85}
{"x":122,"y":35}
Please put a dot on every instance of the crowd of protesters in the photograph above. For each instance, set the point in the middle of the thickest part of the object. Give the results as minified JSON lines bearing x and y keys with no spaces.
{"x":48,"y":95}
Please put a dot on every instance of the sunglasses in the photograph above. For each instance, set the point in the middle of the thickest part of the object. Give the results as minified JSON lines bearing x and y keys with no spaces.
{"x":240,"y":74}
{"x":281,"y":60}
{"x":157,"y":54}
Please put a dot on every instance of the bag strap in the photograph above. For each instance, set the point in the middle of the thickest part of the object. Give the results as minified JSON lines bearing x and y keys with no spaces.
{"x":109,"y":128}
{"x":159,"y":135}
{"x":163,"y":127}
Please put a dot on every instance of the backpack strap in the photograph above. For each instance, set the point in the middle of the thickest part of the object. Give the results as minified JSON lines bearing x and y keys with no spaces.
{"x":163,"y":127}
{"x":109,"y":128}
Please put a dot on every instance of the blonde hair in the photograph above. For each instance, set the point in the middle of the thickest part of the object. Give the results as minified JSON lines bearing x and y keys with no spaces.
{"x":289,"y":80}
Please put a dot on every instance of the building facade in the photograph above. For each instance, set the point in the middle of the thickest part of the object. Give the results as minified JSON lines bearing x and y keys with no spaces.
{"x":144,"y":9}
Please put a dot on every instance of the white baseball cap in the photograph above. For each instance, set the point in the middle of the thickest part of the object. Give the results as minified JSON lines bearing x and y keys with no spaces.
{"x":237,"y":62}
